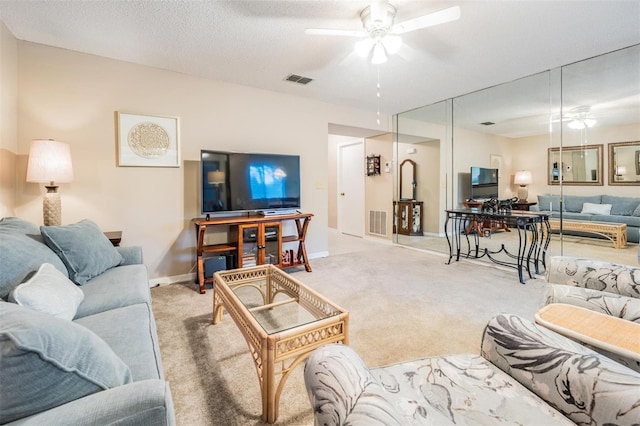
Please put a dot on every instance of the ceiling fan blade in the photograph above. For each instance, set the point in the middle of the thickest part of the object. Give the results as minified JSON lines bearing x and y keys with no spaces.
{"x":436,"y":18}
{"x":330,"y":32}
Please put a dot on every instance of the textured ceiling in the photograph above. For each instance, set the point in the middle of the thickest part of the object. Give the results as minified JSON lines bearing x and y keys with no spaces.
{"x":258,"y":43}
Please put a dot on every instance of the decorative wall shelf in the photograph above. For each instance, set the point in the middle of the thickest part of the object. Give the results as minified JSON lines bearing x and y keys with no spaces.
{"x":373,"y":165}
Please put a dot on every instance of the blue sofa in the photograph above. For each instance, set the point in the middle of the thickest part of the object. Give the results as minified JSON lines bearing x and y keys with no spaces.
{"x":623,"y":210}
{"x":78,"y":340}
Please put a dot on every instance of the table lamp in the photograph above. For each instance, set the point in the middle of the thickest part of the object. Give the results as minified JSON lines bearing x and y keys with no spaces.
{"x":522,"y":178}
{"x":50,"y":163}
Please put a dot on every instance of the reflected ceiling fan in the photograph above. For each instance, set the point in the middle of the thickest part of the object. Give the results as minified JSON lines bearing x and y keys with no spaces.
{"x":380,"y":36}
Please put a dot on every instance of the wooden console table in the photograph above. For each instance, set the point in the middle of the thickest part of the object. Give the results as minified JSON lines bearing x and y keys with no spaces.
{"x":253,"y":240}
{"x":599,"y":330}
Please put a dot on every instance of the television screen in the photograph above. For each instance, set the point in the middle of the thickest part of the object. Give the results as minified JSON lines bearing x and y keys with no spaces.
{"x":484,"y":183}
{"x":249,"y":182}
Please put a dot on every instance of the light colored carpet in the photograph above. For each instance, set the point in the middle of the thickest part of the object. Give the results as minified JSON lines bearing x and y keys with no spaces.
{"x":404,"y":304}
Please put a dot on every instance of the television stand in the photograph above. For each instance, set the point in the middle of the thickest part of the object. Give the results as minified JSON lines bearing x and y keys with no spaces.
{"x":253,"y":240}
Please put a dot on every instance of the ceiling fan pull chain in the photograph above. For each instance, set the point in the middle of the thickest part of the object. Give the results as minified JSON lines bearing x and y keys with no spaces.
{"x":378,"y":94}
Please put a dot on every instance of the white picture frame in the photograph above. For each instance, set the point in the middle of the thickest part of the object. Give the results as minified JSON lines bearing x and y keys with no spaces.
{"x":148,"y":140}
{"x":495,"y":162}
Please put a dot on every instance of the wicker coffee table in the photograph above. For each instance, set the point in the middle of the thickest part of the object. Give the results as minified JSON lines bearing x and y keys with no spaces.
{"x":281,"y":319}
{"x":615,"y":232}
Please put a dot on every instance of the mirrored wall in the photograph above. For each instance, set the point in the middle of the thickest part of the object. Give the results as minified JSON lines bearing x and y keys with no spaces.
{"x":570,"y":134}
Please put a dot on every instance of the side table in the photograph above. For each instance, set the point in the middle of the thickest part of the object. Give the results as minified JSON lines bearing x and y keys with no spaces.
{"x":115,"y":237}
{"x":522,"y":206}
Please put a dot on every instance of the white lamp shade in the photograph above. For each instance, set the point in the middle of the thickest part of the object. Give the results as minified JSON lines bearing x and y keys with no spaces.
{"x":216,"y":177}
{"x":523,"y":177}
{"x":49,"y":161}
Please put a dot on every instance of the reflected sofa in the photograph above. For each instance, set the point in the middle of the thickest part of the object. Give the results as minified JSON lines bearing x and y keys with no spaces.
{"x":526,"y":374}
{"x":78,"y":340}
{"x":622,"y":210}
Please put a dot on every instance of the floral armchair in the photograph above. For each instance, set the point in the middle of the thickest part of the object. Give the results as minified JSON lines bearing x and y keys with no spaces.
{"x":525,"y":375}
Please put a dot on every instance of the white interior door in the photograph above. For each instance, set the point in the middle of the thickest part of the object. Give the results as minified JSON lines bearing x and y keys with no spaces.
{"x":351,"y":188}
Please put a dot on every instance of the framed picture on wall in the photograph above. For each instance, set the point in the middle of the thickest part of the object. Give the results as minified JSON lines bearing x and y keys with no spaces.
{"x":495,"y":162}
{"x":148,"y":140}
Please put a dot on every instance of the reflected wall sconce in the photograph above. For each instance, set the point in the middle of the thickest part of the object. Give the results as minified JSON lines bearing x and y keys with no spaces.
{"x":522,"y":178}
{"x":50,"y":163}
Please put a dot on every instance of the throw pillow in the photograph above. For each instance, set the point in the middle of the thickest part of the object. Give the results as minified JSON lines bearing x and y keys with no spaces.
{"x":49,"y":291}
{"x":50,"y":361}
{"x":22,"y":251}
{"x":549,"y":202}
{"x":83,"y":248}
{"x":590,"y":208}
{"x":636,"y":212}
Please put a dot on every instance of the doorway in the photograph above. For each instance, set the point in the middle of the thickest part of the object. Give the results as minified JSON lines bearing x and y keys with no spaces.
{"x":351,"y":187}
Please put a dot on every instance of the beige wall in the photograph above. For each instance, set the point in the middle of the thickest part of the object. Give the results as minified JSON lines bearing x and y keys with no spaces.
{"x":8,"y":120}
{"x":531,"y":154}
{"x":427,"y":159}
{"x":73,"y":97}
{"x":378,"y":193}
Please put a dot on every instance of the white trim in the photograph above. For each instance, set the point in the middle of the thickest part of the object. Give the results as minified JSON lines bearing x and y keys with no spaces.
{"x":154,"y":282}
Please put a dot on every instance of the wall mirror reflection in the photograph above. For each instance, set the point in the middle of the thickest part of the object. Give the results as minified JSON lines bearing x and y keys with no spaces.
{"x":408,"y":180}
{"x":575,"y":165}
{"x":624,"y":163}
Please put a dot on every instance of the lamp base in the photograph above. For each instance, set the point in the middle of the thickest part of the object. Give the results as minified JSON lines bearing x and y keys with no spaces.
{"x":52,"y":207}
{"x":523,"y":193}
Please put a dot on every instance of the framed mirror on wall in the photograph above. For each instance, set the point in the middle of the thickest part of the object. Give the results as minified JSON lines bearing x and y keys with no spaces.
{"x":407,"y":180}
{"x":579,"y":165}
{"x":624,"y":163}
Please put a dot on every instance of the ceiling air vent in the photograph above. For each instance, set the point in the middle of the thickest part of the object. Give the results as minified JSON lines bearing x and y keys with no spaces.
{"x":298,"y":79}
{"x":488,"y":123}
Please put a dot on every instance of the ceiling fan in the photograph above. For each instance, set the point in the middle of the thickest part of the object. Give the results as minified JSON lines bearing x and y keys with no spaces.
{"x":380,"y":35}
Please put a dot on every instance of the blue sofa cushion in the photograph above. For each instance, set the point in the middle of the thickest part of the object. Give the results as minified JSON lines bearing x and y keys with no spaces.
{"x":131,"y":333}
{"x":47,"y":361}
{"x":549,"y":201}
{"x":115,"y":288}
{"x":83,"y":248}
{"x":22,"y":251}
{"x":636,"y":212}
{"x":621,"y":206}
{"x":574,"y":203}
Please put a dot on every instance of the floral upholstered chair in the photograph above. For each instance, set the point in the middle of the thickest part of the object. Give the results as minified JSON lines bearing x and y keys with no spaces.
{"x":525,"y":374}
{"x":608,"y":288}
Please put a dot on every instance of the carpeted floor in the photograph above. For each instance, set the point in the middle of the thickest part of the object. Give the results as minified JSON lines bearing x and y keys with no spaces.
{"x":404,"y":304}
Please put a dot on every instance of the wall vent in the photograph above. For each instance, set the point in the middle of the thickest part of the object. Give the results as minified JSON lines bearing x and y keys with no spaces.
{"x":294,"y":78}
{"x":378,"y":222}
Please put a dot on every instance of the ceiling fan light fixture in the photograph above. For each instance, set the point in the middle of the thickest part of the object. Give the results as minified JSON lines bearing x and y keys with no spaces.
{"x":392,"y":43}
{"x":379,"y":55}
{"x":363,"y":47}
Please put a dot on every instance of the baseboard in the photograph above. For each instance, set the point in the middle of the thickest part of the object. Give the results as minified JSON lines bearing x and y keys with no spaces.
{"x":319,"y":255}
{"x":155,"y":282}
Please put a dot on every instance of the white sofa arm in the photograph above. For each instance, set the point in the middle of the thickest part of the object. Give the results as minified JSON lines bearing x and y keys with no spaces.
{"x":593,"y":274}
{"x":340,"y":387}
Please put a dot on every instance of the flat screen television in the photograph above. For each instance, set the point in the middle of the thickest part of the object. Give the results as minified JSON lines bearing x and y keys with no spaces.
{"x":248,"y":182}
{"x":484,"y":183}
